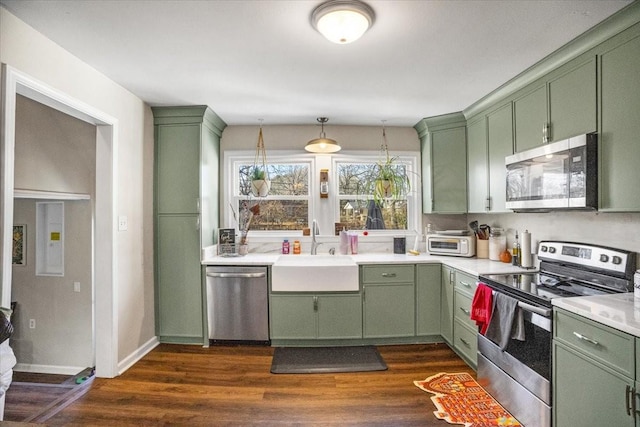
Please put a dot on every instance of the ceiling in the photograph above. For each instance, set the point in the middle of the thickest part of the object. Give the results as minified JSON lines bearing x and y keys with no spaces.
{"x":251,"y":60}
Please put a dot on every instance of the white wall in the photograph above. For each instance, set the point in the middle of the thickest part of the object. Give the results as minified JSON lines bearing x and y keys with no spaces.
{"x":33,"y":54}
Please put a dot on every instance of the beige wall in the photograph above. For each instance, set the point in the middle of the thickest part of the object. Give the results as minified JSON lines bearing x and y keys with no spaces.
{"x":33,"y":54}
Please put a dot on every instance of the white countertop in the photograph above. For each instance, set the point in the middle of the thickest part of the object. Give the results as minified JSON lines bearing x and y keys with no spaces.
{"x":473,"y":266}
{"x":620,"y":311}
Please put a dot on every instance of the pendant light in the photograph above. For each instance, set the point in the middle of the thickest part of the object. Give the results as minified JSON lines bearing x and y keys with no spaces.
{"x":322,"y":144}
{"x":342,"y":21}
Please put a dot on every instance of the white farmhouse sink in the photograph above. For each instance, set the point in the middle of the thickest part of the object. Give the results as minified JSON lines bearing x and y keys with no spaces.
{"x":314,"y":273}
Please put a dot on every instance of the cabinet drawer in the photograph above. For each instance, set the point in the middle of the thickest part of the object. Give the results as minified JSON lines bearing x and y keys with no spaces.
{"x":465,"y":341}
{"x":466,"y":283}
{"x":602,"y":343}
{"x":386,"y":274}
{"x":462,"y":309}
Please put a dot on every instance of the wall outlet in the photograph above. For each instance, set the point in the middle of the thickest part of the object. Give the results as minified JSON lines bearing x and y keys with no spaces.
{"x":32,"y":323}
{"x":123,"y":223}
{"x":76,"y":286}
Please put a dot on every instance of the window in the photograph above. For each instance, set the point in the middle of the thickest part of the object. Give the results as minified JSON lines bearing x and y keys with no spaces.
{"x":293,"y":199}
{"x":286,"y":207}
{"x":357,"y":208}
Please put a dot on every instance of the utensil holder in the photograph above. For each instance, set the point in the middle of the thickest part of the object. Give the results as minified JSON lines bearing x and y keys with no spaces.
{"x":482,"y":248}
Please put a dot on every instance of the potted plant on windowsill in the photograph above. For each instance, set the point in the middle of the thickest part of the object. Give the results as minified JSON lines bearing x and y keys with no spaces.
{"x":260,"y":186}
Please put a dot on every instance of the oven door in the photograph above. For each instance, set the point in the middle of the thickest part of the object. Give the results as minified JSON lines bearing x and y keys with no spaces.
{"x":519,"y":377}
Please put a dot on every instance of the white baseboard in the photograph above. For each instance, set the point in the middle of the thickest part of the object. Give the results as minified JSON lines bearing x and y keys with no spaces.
{"x":131,"y":359}
{"x":48,"y":369}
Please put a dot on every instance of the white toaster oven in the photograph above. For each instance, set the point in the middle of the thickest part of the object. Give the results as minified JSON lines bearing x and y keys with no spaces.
{"x":464,"y":246}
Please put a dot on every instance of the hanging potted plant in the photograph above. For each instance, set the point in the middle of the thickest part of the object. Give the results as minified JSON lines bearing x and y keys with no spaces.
{"x":260,"y":185}
{"x":390,"y":180}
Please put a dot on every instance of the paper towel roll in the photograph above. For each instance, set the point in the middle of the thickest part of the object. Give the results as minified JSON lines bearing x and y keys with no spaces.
{"x":525,"y":250}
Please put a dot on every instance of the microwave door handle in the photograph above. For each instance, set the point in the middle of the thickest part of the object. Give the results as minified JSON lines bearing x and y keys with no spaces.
{"x":544,"y":312}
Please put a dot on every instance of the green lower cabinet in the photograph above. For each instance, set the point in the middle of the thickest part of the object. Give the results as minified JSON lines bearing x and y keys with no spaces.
{"x":179,"y":281}
{"x":428,"y":284}
{"x":593,"y":373}
{"x":389,"y":310}
{"x":446,"y":304}
{"x":310,"y":316}
{"x":586,"y":393}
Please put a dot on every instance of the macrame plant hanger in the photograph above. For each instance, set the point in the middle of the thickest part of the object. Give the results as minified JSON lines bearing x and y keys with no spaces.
{"x":260,"y":183}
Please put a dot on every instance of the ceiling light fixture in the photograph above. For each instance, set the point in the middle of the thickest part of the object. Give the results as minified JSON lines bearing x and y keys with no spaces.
{"x":342,"y":21}
{"x":322,"y":144}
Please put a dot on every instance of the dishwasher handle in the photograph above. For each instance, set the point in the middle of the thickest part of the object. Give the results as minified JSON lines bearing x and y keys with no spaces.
{"x":237,"y":275}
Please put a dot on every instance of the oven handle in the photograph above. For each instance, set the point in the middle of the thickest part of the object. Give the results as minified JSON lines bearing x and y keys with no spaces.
{"x":544,"y":312}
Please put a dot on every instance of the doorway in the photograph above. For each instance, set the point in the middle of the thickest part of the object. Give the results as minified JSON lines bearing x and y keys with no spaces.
{"x":104,"y":249}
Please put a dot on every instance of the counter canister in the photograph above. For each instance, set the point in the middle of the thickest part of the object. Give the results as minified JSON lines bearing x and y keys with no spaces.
{"x":497,"y":243}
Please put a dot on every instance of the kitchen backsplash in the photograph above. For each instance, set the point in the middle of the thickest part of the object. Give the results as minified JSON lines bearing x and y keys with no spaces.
{"x":618,"y":230}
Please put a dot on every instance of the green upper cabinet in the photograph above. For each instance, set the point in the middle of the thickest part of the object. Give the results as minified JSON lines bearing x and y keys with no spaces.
{"x":530,"y":118}
{"x":478,"y":165}
{"x":500,"y":145}
{"x":572,"y":100}
{"x":619,"y":145}
{"x":444,"y":166}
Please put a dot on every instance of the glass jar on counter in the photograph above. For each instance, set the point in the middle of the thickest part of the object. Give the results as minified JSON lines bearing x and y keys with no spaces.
{"x":497,"y":243}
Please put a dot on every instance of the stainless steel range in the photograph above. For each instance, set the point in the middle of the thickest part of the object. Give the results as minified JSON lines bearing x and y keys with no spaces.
{"x":520,"y":376}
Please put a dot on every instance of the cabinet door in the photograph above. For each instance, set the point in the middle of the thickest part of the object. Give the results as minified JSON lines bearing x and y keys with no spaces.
{"x":446,"y":305}
{"x":530,"y":116}
{"x":500,"y":131}
{"x":293,"y":316}
{"x":178,"y":166}
{"x":572,"y":102}
{"x":478,"y":165}
{"x":587,"y":394}
{"x":389,"y":310}
{"x":449,"y":170}
{"x":428,"y":284}
{"x":179,"y":277}
{"x":619,"y":149}
{"x":339,"y":316}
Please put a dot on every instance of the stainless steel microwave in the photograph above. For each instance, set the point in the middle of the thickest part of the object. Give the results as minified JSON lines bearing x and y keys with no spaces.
{"x":464,"y":246}
{"x":560,"y":175}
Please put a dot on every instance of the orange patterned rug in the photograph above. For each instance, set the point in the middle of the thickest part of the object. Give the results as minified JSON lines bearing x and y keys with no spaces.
{"x":461,"y":400}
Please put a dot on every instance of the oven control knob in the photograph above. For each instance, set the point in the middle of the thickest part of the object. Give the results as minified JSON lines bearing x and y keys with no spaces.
{"x":604,"y":258}
{"x":552,"y":250}
{"x":543,"y":248}
{"x":616,"y":260}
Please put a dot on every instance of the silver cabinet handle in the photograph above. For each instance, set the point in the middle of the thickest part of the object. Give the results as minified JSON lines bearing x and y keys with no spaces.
{"x":388,"y":274}
{"x":451,"y":279}
{"x":465,"y":342}
{"x":487,"y":204}
{"x":465,"y":311}
{"x":587,"y":339}
{"x":465,"y":284}
{"x":315,"y":303}
{"x":237,"y":275}
{"x":630,"y":401}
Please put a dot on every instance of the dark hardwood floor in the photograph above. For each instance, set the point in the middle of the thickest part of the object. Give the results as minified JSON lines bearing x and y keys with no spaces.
{"x":232,"y":385}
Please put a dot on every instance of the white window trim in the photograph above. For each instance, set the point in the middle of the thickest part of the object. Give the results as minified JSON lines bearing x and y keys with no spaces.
{"x":324,"y":210}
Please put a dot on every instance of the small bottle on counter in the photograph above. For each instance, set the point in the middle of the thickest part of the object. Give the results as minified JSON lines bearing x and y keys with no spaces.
{"x":285,"y":247}
{"x":515,"y":258}
{"x":296,"y":247}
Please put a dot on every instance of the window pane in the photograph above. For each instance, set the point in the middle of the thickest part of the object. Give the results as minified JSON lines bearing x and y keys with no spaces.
{"x":286,"y":179}
{"x":279,"y":214}
{"x":363,"y":214}
{"x":354,"y":178}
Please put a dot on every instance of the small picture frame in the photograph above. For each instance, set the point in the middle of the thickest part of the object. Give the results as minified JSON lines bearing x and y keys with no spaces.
{"x":226,"y":241}
{"x":19,"y":245}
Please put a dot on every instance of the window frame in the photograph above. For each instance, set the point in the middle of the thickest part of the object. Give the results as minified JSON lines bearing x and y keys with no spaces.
{"x":319,"y":208}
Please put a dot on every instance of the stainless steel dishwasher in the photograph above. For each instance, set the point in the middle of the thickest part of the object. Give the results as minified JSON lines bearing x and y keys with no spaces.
{"x":237,"y":304}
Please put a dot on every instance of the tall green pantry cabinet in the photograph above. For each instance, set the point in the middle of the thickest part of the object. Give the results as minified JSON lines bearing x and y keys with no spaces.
{"x":186,"y":213}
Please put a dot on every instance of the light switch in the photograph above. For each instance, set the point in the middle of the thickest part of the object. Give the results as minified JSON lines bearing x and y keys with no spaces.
{"x":123,"y":224}
{"x":76,"y":286}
